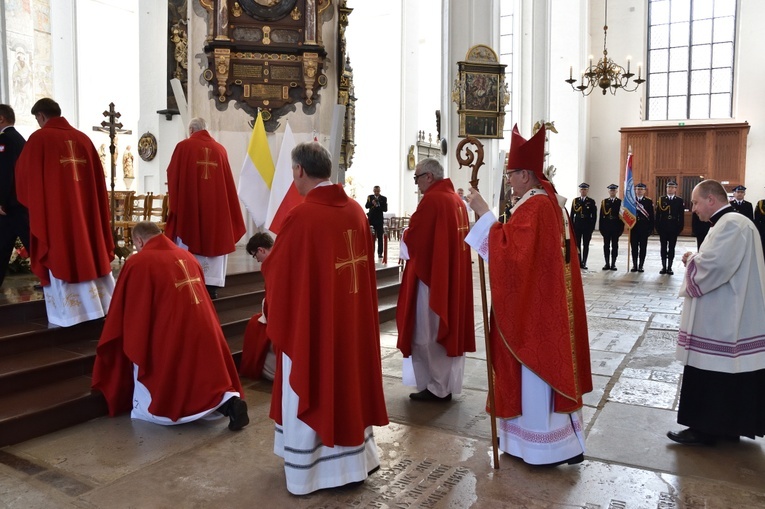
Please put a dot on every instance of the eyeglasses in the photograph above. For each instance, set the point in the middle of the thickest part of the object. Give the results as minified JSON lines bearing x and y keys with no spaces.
{"x":418,"y":176}
{"x":509,"y":173}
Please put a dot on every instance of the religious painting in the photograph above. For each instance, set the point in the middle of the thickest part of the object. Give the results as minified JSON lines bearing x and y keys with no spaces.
{"x":481,"y":94}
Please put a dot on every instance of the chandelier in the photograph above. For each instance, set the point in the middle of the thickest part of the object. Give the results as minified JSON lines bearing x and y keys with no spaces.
{"x":605,"y":74}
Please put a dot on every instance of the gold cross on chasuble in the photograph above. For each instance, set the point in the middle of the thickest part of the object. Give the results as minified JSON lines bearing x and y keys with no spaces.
{"x":351,"y":261}
{"x":72,"y":159}
{"x":207,"y":163}
{"x":462,"y":223}
{"x":188,"y":281}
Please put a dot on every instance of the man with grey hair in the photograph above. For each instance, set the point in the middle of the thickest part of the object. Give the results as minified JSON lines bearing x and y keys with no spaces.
{"x":323,"y":322}
{"x":721,"y":328}
{"x":435,"y":305}
{"x":203,"y":207}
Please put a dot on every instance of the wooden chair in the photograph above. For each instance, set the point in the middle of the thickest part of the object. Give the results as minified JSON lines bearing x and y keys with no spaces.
{"x":157,"y":209}
{"x":138,"y":212}
{"x":122,"y":204}
{"x":403,"y":223}
{"x":393,"y":228}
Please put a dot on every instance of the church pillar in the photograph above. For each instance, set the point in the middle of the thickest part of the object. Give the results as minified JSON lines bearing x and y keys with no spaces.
{"x":466,"y":24}
{"x":63,"y":16}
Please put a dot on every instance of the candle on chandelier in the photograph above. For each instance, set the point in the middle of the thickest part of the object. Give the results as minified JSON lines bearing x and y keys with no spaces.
{"x":571,"y":72}
{"x":639,"y":71}
{"x":628,"y":65}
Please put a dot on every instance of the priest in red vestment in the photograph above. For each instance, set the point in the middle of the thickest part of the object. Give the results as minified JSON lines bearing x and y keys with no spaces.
{"x":435,"y":304}
{"x":323,"y":319}
{"x":59,"y":178}
{"x":258,"y":357}
{"x":203,"y":207}
{"x":539,"y":342}
{"x":162,"y":352}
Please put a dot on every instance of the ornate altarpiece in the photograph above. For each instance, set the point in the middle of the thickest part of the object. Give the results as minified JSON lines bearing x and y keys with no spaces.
{"x":265,"y":54}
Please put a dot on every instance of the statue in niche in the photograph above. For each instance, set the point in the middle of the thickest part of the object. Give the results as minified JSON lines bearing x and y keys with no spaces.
{"x":102,"y":156}
{"x":127,"y":163}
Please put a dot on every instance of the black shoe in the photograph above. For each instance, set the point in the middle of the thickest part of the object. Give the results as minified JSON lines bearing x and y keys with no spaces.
{"x":613,"y":267}
{"x":663,"y":271}
{"x":37,"y":287}
{"x":236,"y":410}
{"x":426,"y":395}
{"x":606,"y":267}
{"x":690,"y":436}
{"x":633,"y":269}
{"x":583,"y":267}
{"x":669,"y":272}
{"x":571,"y":461}
{"x":640,"y":269}
{"x":213,"y":291}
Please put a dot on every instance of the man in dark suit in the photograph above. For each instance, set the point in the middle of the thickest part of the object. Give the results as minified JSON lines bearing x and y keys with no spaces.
{"x":611,"y":226}
{"x":699,"y":229}
{"x":643,"y":228}
{"x":377,"y":204}
{"x":759,"y":220}
{"x":739,"y":204}
{"x":670,"y":219}
{"x":584,"y":213}
{"x":14,"y":217}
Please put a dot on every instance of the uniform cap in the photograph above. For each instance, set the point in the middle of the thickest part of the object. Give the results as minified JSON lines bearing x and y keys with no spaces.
{"x":739,"y":188}
{"x":584,"y":185}
{"x":672,"y":183}
{"x":640,"y":186}
{"x":612,"y":186}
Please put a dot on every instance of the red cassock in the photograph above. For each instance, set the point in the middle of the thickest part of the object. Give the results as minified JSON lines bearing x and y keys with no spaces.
{"x":440,"y":259}
{"x":59,"y":178}
{"x":254,"y":348}
{"x":539,"y":318}
{"x":203,"y":207}
{"x":322,"y":302}
{"x":162,"y":319}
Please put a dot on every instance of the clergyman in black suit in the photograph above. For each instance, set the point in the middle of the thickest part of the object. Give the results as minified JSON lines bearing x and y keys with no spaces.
{"x":377,"y":204}
{"x":14,"y":217}
{"x":643,"y":228}
{"x":584,"y":213}
{"x":739,"y":204}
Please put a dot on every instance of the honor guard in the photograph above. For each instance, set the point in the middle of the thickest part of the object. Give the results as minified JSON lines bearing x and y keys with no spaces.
{"x":584,"y":214}
{"x":642,"y":229}
{"x":611,"y":227}
{"x":670,"y":218}
{"x":739,"y":204}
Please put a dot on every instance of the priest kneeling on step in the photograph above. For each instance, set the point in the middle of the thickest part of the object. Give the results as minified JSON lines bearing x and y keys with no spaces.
{"x":162,"y":352}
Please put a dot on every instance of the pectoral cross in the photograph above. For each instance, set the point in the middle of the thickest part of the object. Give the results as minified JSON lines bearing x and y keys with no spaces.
{"x":207,"y":163}
{"x":72,"y":159}
{"x":188,"y":281}
{"x":462,"y":226}
{"x":351,"y":261}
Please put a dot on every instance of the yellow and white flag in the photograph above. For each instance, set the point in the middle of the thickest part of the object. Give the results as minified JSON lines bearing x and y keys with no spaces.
{"x":257,"y":174}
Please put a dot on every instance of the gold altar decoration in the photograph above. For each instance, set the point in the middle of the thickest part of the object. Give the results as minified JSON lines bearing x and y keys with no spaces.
{"x":265,"y":54}
{"x":345,"y":89}
{"x":481,"y":94}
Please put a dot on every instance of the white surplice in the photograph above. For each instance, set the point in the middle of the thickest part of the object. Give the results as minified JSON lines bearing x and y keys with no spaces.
{"x":213,"y":267}
{"x":68,"y":304}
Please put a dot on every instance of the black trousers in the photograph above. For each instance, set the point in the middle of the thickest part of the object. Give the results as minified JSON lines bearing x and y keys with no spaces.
{"x":667,"y":243}
{"x":610,"y":243}
{"x":583,"y":245}
{"x":379,"y":230}
{"x":638,"y":244}
{"x":14,"y":224}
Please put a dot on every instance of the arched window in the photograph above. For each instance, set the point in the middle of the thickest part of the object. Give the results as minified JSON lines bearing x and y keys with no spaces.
{"x":691,"y":48}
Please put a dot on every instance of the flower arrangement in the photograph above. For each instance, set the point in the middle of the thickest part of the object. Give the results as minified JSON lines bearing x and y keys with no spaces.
{"x":20,"y":262}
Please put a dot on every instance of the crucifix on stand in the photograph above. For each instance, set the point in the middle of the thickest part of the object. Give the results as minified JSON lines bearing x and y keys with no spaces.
{"x":113,"y":128}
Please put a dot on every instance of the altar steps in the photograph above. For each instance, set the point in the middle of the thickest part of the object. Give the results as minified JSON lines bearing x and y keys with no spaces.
{"x":45,"y":374}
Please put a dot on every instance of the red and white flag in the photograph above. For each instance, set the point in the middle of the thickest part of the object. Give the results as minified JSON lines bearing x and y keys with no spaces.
{"x":284,"y":194}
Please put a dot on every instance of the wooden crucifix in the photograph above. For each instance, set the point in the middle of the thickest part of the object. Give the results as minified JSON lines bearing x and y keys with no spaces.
{"x":113,"y":128}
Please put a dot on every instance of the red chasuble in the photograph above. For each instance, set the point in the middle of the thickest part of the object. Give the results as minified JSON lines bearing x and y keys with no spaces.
{"x":203,"y":205}
{"x":539,"y":318}
{"x":322,"y":313}
{"x":162,"y":319}
{"x":439,"y":258}
{"x":254,"y":349}
{"x":59,"y":178}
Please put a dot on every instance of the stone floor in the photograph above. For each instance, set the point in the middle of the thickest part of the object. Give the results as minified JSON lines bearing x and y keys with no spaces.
{"x":433,"y":456}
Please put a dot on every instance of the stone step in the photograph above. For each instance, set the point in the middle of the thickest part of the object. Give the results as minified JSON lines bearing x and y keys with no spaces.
{"x":45,"y":372}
